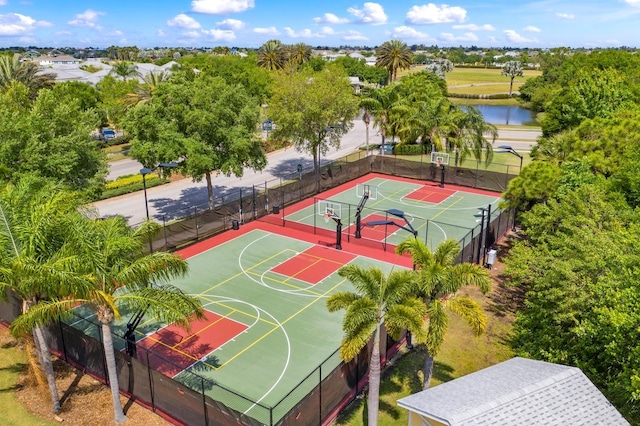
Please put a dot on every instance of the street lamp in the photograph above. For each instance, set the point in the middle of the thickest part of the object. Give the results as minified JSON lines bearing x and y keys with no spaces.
{"x":510,"y":150}
{"x":144,"y":172}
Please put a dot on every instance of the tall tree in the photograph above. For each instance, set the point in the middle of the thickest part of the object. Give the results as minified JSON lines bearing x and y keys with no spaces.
{"x":512,"y":69}
{"x":438,"y":281}
{"x":383,"y":105}
{"x":36,"y":262}
{"x":144,"y":92}
{"x":300,"y":53}
{"x":118,"y":277}
{"x":27,"y":73}
{"x":272,"y":55}
{"x":50,"y":138}
{"x":125,"y":70}
{"x":471,"y":134}
{"x":378,"y":300}
{"x":313,"y":110}
{"x":393,"y":55}
{"x":206,"y":124}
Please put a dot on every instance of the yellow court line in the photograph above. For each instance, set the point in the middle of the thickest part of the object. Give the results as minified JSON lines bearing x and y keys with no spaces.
{"x":315,"y":293}
{"x":277,"y":327}
{"x":318,"y":260}
{"x":173,"y":349}
{"x":234,"y":310}
{"x":448,"y":207}
{"x":204,"y":328}
{"x":246,"y":270}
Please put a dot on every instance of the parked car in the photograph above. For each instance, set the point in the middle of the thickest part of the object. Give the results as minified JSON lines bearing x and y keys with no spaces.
{"x":108,"y":134}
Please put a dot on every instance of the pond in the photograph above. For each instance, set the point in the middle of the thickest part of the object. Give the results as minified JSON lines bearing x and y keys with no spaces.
{"x":502,"y":114}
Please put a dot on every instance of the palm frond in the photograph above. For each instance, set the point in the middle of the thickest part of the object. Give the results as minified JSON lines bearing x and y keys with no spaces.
{"x":470,"y":311}
{"x":42,"y":314}
{"x":437,"y":327}
{"x":340,"y":300}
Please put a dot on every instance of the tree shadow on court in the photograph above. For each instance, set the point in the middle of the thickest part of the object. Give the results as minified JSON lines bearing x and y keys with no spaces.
{"x":196,"y":379}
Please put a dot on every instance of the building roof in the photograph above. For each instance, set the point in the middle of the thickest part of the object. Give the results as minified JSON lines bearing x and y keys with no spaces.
{"x":519,"y":391}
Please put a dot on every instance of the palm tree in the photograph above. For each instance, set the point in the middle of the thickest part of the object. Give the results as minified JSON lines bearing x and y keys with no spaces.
{"x":384,"y":105}
{"x":512,"y":69}
{"x":272,"y":55}
{"x":144,"y":92}
{"x":437,"y":281}
{"x":300,"y":53}
{"x":394,"y":55}
{"x":125,"y":69}
{"x":378,"y":300}
{"x":28,"y":73}
{"x":471,"y":134}
{"x":36,"y":262}
{"x":119,"y":277}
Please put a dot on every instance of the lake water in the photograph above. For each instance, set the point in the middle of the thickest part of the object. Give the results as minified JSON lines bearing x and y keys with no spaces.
{"x":501,"y":114}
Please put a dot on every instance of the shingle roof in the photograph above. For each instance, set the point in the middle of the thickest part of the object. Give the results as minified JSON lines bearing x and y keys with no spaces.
{"x":519,"y":391}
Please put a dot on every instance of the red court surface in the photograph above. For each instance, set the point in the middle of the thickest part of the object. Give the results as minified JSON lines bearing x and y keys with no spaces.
{"x":377,"y":232}
{"x":177,"y":348}
{"x":314,"y":264}
{"x":429,"y":194}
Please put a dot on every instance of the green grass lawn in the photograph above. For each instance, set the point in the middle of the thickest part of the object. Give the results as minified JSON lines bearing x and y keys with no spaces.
{"x":12,"y":362}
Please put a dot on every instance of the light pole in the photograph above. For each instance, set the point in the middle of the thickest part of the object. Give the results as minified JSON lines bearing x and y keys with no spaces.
{"x":510,"y":150}
{"x":144,"y":172}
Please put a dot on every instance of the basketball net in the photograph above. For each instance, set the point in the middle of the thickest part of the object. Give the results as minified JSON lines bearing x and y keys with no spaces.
{"x":327,"y":217}
{"x":439,"y":162}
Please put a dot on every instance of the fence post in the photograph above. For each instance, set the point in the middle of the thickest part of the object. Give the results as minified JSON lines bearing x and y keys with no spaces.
{"x":320,"y":394}
{"x":195,"y":216}
{"x":164,"y":230}
{"x":255,"y":212}
{"x":204,"y":402}
{"x":241,"y":215}
{"x":153,"y":400}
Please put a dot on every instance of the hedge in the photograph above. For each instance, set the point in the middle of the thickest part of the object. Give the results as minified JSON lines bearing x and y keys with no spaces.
{"x":128,"y":184}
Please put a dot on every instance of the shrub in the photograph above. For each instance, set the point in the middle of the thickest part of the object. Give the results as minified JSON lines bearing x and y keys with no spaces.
{"x":408,"y":149}
{"x":127,"y":184}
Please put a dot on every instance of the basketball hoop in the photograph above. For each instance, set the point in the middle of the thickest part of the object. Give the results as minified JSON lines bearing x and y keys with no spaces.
{"x":327,"y":217}
{"x":439,"y":162}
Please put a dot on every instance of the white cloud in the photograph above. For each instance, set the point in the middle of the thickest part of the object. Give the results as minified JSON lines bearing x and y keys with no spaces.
{"x":408,"y":33}
{"x":13,"y":24}
{"x":531,"y":29}
{"x":88,"y":18}
{"x":272,"y":31}
{"x":230,"y":24}
{"x":161,"y":33}
{"x":220,"y":35}
{"x":634,"y":3}
{"x":117,"y":33}
{"x":3,"y":2}
{"x":565,"y":15}
{"x":451,"y":38}
{"x":64,"y":33}
{"x":514,"y":37}
{"x":330,"y":18}
{"x":306,"y":33}
{"x":371,"y":13}
{"x":327,"y":31}
{"x":221,"y":7}
{"x":354,"y":36}
{"x":474,"y":27}
{"x":432,"y":14}
{"x":183,"y":21}
{"x":192,"y":34}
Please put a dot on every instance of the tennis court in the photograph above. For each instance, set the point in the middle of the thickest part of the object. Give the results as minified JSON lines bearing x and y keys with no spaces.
{"x":264,"y":288}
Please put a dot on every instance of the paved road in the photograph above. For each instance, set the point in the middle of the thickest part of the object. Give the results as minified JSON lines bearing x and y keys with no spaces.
{"x":174,"y":199}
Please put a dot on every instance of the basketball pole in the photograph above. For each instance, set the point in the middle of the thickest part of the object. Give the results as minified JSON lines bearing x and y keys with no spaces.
{"x":442,"y":175}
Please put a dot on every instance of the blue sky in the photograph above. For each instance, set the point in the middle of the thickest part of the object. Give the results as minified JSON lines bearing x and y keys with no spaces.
{"x":249,"y":23}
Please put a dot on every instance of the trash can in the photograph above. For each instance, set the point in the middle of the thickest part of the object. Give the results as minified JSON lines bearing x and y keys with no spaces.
{"x":491,"y":258}
{"x":235,"y":225}
{"x":276,"y":209}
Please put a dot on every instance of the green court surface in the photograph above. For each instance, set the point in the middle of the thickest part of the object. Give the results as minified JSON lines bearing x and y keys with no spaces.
{"x":264,"y":288}
{"x":273,"y":286}
{"x":435,"y":213}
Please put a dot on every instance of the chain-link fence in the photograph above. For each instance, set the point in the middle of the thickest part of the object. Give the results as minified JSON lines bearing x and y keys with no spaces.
{"x":196,"y":400}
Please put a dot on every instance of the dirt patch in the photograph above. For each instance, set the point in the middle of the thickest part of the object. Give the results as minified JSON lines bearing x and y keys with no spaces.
{"x":84,"y":400}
